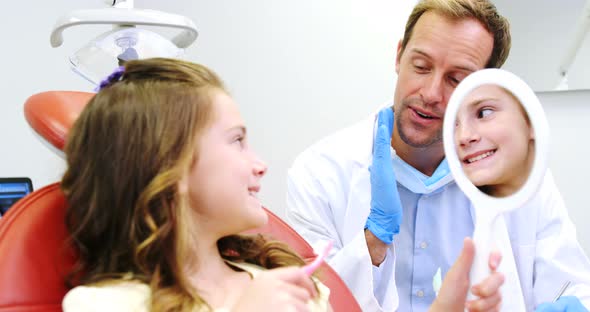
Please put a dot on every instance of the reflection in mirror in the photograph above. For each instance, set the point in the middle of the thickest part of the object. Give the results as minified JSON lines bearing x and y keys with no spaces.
{"x":497,"y":151}
{"x":495,"y":141}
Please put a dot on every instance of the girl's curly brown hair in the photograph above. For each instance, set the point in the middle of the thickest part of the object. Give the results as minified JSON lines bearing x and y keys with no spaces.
{"x":125,"y":155}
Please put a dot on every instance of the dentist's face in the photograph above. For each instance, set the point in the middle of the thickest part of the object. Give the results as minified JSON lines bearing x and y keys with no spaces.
{"x":440,"y":53}
{"x":494,"y":140}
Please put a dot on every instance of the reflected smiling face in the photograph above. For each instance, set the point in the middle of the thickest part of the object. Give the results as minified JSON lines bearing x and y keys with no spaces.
{"x":494,"y":140}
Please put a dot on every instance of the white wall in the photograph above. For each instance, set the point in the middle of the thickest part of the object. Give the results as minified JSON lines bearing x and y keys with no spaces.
{"x":29,"y":65}
{"x":568,"y":114}
{"x":298,"y":69}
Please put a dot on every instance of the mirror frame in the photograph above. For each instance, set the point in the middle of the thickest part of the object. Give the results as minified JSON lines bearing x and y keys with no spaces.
{"x":533,"y":108}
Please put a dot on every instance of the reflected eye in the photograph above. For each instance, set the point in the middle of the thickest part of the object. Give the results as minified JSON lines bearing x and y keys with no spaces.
{"x":482,"y":113}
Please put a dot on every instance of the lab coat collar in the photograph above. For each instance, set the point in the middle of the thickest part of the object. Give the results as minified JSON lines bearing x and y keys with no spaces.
{"x":416,"y":181}
{"x":410,"y":177}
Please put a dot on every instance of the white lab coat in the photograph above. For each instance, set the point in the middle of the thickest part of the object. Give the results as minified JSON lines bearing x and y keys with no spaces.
{"x":328,"y":198}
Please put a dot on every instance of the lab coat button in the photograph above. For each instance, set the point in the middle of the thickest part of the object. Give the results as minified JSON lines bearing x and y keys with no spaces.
{"x":423,"y":245}
{"x":420,"y":293}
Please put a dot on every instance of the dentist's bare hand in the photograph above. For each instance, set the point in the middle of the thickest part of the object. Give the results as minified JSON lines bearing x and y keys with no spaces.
{"x":282,"y":289}
{"x":453,"y":293}
{"x":488,"y":290}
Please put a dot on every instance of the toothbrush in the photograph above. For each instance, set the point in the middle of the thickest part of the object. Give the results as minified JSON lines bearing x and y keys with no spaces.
{"x":315,"y":264}
{"x":436,"y":282}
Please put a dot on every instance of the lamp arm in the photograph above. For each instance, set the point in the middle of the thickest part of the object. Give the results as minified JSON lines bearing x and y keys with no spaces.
{"x":127,"y":17}
{"x":583,"y":26}
{"x":122,"y":4}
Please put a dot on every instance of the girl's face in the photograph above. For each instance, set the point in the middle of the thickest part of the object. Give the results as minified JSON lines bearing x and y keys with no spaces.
{"x":223,"y":183}
{"x":494,"y":140}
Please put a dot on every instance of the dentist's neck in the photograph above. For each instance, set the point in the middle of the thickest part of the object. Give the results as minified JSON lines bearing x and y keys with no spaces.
{"x":423,"y":159}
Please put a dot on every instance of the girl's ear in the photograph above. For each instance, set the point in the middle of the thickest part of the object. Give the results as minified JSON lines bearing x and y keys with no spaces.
{"x":183,"y":185}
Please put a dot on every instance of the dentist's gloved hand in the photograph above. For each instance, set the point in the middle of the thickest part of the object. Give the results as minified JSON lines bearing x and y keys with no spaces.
{"x":386,"y":210}
{"x":563,"y":304}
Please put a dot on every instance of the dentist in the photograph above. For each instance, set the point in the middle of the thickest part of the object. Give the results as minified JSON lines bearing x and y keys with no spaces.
{"x":395,"y":222}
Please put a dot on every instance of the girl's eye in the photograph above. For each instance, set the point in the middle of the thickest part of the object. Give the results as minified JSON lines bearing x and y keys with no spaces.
{"x":240,"y":140}
{"x":484,"y":113}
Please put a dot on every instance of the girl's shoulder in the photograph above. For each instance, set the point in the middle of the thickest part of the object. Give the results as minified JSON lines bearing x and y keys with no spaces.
{"x":112,"y":296}
{"x":320,"y":303}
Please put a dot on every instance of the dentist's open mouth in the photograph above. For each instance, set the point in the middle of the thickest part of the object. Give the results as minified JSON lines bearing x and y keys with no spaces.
{"x":424,"y":115}
{"x":479,"y":157}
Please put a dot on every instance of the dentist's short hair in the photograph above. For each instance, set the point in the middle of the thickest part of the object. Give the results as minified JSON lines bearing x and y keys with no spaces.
{"x":482,"y":10}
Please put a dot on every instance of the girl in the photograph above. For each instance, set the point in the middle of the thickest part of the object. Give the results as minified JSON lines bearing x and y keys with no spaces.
{"x":495,"y":141}
{"x":160,"y":182}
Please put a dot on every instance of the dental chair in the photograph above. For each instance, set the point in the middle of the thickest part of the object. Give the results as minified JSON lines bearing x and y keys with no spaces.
{"x":33,"y":256}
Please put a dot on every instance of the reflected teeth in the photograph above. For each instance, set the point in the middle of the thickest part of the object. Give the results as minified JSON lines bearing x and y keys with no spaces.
{"x":480,"y":157}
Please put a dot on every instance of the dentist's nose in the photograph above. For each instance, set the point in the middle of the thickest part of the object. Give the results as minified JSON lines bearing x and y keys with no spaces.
{"x":432,"y":92}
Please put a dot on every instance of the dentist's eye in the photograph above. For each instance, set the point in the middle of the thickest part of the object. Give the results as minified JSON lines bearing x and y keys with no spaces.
{"x":421,"y":69}
{"x":454,"y":80}
{"x":420,"y":66}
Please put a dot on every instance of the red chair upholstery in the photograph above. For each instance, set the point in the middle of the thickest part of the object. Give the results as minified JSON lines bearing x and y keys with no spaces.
{"x":51,"y":114}
{"x":278,"y":229}
{"x":341,"y":298}
{"x":34,"y":259}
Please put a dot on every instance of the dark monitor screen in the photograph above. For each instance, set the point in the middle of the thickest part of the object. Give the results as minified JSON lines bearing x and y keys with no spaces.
{"x":11,"y":190}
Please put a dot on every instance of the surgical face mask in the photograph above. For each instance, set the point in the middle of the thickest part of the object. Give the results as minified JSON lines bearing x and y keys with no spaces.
{"x":416,"y":181}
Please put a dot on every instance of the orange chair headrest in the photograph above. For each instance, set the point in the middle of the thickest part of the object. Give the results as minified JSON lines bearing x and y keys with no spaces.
{"x":51,"y":114}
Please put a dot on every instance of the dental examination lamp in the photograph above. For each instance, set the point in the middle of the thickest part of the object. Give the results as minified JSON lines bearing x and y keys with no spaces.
{"x":125,"y":41}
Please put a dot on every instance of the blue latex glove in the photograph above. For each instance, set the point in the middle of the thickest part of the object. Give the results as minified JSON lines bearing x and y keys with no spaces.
{"x":386,"y":210}
{"x":563,"y":304}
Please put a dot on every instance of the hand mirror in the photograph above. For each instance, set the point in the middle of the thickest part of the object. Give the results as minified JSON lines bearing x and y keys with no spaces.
{"x":496,"y":143}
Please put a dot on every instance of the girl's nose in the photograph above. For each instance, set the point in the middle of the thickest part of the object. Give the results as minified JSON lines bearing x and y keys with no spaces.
{"x":260,"y":168}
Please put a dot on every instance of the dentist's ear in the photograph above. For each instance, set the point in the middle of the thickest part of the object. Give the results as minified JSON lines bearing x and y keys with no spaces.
{"x":398,"y":56}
